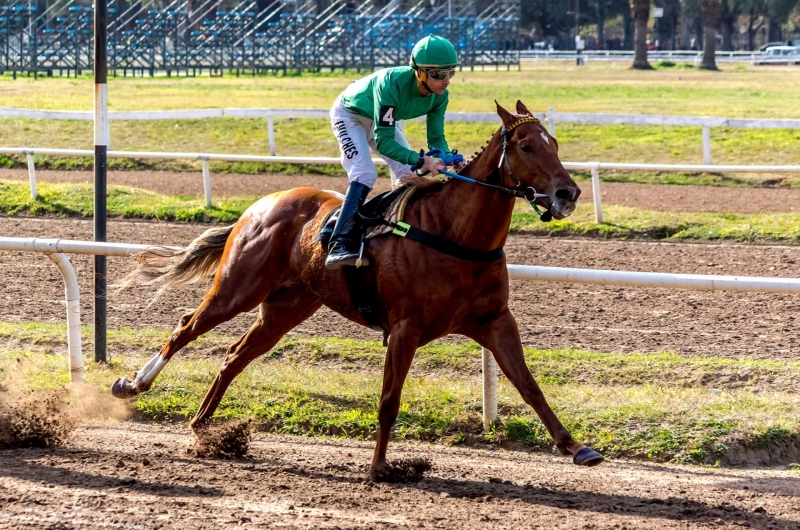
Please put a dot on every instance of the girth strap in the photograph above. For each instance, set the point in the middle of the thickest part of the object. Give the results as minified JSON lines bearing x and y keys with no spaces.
{"x":444,"y":245}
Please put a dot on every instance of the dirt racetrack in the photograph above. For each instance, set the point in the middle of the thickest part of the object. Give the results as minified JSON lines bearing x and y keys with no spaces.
{"x":133,"y":476}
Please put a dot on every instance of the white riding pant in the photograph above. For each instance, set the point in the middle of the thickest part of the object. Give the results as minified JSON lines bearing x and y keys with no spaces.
{"x":355,"y":135}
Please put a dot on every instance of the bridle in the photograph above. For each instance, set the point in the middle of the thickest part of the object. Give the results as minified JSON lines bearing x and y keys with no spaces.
{"x":521,"y":191}
{"x":528,"y":193}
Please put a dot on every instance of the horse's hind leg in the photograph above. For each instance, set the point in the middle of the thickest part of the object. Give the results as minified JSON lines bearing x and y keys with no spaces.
{"x":281,"y":312}
{"x":501,"y":337}
{"x":240,"y":286}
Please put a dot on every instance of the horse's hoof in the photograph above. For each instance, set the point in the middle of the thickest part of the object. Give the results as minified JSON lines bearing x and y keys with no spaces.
{"x":587,"y":457}
{"x":123,"y":389}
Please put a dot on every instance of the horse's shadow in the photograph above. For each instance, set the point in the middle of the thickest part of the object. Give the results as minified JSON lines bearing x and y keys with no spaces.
{"x":784,"y":486}
{"x":672,"y":508}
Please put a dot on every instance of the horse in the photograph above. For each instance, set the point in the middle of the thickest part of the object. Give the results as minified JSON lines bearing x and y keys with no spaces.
{"x":270,"y":259}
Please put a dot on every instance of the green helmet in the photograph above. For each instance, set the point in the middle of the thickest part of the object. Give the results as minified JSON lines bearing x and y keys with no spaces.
{"x":434,"y":51}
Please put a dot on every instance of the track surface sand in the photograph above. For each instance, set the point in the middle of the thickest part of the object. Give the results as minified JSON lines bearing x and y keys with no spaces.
{"x":137,"y":476}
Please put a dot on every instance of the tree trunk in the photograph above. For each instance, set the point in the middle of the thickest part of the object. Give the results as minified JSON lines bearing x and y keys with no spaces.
{"x":698,"y":29}
{"x":751,"y":32}
{"x":726,"y":28}
{"x":601,"y":22}
{"x":627,"y":21}
{"x":686,"y":30}
{"x":641,"y":14}
{"x":710,"y":11}
{"x":775,"y":33}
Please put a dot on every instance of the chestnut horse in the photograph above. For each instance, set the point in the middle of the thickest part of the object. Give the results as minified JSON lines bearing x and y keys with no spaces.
{"x":269,"y":260}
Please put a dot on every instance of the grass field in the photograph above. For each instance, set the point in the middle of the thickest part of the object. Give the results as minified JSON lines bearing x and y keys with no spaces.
{"x":741,"y":92}
{"x":76,"y":200}
{"x":736,"y":91}
{"x":700,"y":411}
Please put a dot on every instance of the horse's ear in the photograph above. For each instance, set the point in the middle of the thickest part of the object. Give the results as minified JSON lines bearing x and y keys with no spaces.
{"x":504,"y":114}
{"x":522,"y":109}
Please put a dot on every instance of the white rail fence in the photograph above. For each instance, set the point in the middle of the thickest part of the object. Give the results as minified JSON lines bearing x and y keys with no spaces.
{"x":593,"y":167}
{"x":551,"y":117}
{"x":57,"y":248}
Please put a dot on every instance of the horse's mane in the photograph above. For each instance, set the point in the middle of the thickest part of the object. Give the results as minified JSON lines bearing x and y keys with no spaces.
{"x":421,"y":182}
{"x":427,"y":182}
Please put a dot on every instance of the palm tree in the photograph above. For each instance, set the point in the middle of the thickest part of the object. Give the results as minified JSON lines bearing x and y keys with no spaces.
{"x":641,"y":13}
{"x":710,"y":12}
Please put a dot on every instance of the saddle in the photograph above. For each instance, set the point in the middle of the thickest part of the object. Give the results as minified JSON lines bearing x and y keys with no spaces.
{"x":388,"y":206}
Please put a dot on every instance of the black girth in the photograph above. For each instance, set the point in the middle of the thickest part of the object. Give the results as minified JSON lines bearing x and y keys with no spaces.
{"x":441,"y":244}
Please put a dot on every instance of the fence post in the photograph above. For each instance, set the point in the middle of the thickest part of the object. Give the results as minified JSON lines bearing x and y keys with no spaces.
{"x":73,"y":295}
{"x":32,"y":174}
{"x":271,"y":129}
{"x":551,"y":122}
{"x":489,"y":370}
{"x":206,"y":180}
{"x":707,"y":145}
{"x":598,"y":205}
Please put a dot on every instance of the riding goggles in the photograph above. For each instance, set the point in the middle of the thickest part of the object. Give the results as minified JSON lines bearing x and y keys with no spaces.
{"x":440,"y":74}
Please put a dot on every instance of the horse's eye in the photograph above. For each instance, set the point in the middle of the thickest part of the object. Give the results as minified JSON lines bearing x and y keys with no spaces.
{"x":526,"y":148}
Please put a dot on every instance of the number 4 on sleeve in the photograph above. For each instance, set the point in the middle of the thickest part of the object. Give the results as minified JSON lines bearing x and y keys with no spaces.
{"x":386,"y":116}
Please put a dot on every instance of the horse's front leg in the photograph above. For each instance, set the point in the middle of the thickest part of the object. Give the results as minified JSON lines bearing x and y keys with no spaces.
{"x":501,"y":337}
{"x":402,"y":347}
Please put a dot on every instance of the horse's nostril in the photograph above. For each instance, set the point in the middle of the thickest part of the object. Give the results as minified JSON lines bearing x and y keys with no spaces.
{"x":564,"y":194}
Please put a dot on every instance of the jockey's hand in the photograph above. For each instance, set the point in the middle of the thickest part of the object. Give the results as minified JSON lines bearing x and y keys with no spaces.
{"x":459,"y":166}
{"x":434,"y":165}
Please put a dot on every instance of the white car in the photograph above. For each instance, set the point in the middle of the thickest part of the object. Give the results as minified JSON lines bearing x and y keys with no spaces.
{"x":779,"y":55}
{"x":781,"y":51}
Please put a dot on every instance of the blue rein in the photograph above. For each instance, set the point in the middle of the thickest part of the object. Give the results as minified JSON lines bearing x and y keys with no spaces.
{"x":529,"y":193}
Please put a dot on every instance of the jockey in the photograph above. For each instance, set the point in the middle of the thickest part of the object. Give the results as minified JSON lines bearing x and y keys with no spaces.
{"x":366,"y":114}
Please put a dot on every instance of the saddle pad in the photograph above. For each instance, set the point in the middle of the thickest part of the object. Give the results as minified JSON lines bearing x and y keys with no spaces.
{"x":394,"y":213}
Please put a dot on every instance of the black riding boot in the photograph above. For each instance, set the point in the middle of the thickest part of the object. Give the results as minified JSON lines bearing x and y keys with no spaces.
{"x":345,"y":241}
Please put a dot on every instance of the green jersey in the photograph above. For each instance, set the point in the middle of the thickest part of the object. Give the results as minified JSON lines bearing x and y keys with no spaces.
{"x":390,"y":95}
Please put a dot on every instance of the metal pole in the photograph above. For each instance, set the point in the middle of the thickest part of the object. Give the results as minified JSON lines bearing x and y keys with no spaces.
{"x":101,"y":141}
{"x":551,"y":121}
{"x":489,"y":369}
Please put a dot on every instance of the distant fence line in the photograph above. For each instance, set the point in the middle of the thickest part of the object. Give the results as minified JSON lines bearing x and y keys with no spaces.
{"x":551,"y":117}
{"x":676,"y":56}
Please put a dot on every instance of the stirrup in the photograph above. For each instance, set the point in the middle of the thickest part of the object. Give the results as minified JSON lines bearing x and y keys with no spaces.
{"x":335,"y":262}
{"x":360,"y":261}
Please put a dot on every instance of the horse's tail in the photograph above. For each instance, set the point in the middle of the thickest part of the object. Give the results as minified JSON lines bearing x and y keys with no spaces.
{"x":169,"y":266}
